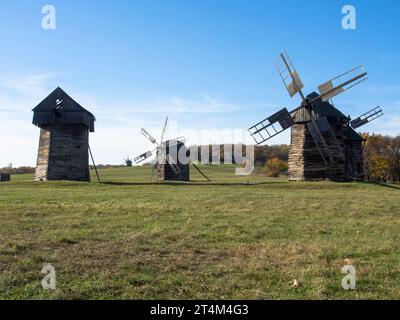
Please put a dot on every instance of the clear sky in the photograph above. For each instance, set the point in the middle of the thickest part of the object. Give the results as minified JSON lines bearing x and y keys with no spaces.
{"x":207,"y":64}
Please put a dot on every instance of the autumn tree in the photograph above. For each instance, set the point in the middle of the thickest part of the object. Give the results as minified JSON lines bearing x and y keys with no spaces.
{"x":275,"y":167}
{"x":382,"y":158}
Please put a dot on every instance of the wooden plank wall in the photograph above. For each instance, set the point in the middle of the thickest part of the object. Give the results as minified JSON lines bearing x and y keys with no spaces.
{"x":305,"y":161}
{"x":42,"y":165}
{"x":338,"y":171}
{"x":165,"y":171}
{"x":296,"y":153}
{"x":355,"y":150}
{"x":63,"y":153}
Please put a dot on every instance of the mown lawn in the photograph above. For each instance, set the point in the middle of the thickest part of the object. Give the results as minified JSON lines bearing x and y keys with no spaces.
{"x":238,"y":237}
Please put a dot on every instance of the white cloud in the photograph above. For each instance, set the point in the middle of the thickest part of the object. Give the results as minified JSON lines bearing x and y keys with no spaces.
{"x":27,"y":85}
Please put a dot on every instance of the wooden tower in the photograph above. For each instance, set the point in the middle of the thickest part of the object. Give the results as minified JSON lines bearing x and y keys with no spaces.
{"x":344,"y":144}
{"x":64,"y":138}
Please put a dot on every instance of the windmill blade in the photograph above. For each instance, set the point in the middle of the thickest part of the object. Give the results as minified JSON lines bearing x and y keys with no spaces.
{"x":202,"y":173}
{"x":289,"y":75}
{"x":143,"y":157}
{"x":367,"y":117}
{"x":148,"y":136}
{"x":163,"y":130}
{"x":271,"y":126}
{"x":342,"y":83}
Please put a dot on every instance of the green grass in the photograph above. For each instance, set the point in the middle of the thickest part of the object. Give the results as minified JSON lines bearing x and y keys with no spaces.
{"x":238,"y":237}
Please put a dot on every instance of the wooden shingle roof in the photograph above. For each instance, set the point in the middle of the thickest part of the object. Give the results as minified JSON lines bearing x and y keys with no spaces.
{"x":320,"y":108}
{"x":46,"y":113}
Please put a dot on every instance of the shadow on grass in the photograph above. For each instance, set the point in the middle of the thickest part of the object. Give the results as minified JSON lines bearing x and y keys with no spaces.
{"x":381,"y":184}
{"x":192,"y":183}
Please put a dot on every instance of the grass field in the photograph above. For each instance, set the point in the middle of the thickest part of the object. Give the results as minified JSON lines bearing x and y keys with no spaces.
{"x":238,"y":237}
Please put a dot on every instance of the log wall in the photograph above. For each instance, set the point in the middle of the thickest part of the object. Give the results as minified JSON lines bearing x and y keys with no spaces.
{"x":42,"y":164}
{"x":63,"y":153}
{"x":305,"y":161}
{"x":296,"y":153}
{"x":355,"y":151}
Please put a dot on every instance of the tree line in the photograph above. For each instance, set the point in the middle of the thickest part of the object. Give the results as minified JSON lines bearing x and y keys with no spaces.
{"x":20,"y":170}
{"x":381,"y":158}
{"x":261,"y":153}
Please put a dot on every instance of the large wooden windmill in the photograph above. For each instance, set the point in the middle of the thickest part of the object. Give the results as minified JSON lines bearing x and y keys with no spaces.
{"x":324,"y":144}
{"x":64,"y":138}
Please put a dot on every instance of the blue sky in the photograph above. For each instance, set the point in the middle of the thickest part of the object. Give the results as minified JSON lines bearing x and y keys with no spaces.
{"x":207,"y":64}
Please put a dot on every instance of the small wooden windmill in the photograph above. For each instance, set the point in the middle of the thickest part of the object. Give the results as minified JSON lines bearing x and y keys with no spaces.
{"x":168,"y":161}
{"x":64,"y":138}
{"x":128,"y":162}
{"x":324,"y":144}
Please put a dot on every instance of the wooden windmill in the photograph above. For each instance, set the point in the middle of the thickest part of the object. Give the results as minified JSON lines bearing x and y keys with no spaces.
{"x":128,"y":162}
{"x":168,"y":161}
{"x":324,"y":144}
{"x":64,"y":138}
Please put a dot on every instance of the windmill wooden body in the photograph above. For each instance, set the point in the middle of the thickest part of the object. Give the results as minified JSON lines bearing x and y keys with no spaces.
{"x":173,"y":169}
{"x":344,"y":144}
{"x":172,"y":158}
{"x":64,"y":138}
{"x":128,"y":162}
{"x":324,"y":144}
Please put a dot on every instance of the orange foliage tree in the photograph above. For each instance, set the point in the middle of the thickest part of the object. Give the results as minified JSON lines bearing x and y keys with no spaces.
{"x":275,"y":167}
{"x":382,"y":158}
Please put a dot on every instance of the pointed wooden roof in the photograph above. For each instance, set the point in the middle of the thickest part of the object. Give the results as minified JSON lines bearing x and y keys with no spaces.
{"x":320,"y":108}
{"x":46,"y":113}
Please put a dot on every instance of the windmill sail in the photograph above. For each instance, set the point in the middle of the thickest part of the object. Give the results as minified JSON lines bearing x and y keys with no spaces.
{"x":342,"y":83}
{"x":148,"y":136}
{"x":143,"y":157}
{"x":163,"y":130}
{"x":271,"y":126}
{"x":288,"y":74}
{"x":367,"y":117}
